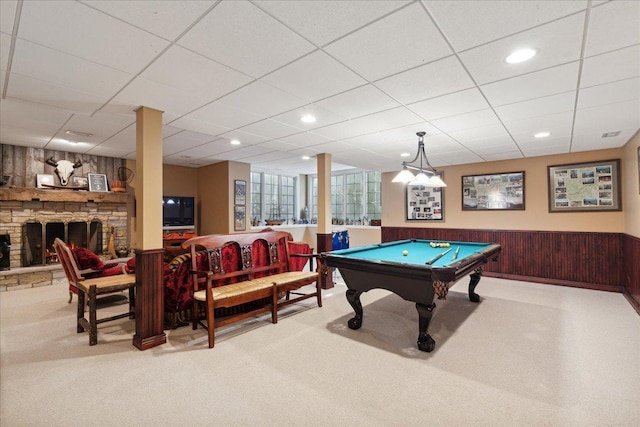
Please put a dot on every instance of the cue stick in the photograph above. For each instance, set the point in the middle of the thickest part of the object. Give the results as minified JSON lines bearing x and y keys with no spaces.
{"x":455,"y":254}
{"x":437,"y":257}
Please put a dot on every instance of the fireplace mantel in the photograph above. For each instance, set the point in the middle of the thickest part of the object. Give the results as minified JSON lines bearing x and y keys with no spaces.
{"x":27,"y":194}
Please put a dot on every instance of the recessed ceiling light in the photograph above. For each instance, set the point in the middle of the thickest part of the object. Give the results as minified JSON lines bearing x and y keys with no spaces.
{"x":405,"y":154}
{"x":78,"y":133}
{"x":307,"y":118}
{"x":235,"y":142}
{"x":521,"y":55}
{"x":305,"y":157}
{"x":542,"y":134}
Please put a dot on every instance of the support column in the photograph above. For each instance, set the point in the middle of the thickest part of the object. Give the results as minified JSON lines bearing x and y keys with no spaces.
{"x":324,"y":235}
{"x":149,"y":273}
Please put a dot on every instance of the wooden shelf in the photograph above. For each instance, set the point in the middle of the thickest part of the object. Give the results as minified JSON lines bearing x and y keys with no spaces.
{"x":62,"y":195}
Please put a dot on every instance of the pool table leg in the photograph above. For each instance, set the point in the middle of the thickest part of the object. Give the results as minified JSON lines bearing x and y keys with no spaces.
{"x":425,"y":342}
{"x":475,"y":278}
{"x":354,"y":299}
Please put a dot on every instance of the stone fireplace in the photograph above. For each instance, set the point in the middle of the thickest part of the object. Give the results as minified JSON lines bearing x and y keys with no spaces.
{"x":34,"y":218}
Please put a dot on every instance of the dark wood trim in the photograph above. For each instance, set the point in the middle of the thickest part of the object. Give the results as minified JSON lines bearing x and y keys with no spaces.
{"x":325,"y":244}
{"x":149,"y":299}
{"x":579,"y":259}
{"x":631,"y":266}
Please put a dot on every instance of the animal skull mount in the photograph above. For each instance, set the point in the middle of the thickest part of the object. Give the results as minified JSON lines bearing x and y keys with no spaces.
{"x":64,"y":169}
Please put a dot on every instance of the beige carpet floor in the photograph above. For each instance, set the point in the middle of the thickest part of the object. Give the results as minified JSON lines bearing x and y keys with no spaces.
{"x":526,"y":355}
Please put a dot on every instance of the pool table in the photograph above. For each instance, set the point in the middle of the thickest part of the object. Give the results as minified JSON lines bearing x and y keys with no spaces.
{"x":416,"y":270}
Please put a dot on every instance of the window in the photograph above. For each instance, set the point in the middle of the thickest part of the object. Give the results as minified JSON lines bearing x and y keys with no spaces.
{"x":355,"y":197}
{"x":273,"y":197}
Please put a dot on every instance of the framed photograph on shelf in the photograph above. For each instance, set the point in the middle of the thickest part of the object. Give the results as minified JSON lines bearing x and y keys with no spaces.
{"x":585,"y":187}
{"x":239,"y":218}
{"x":498,"y":191}
{"x":97,"y":182}
{"x":424,"y":203}
{"x":44,"y":181}
{"x":240,"y":191}
{"x":80,"y":181}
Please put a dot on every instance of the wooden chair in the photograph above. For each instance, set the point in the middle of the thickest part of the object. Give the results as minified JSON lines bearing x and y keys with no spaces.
{"x":91,"y":289}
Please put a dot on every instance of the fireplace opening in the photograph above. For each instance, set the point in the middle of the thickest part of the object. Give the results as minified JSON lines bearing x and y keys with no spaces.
{"x":38,"y":239}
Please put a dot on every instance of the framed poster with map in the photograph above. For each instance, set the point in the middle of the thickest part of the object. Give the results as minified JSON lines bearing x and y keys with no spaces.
{"x":585,"y":187}
{"x":501,"y":191}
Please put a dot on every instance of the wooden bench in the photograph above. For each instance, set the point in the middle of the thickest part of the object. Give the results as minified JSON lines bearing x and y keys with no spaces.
{"x":91,"y":289}
{"x":246,"y":268}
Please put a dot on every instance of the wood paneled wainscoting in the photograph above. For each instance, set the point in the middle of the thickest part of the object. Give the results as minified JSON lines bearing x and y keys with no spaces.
{"x":631,"y":270}
{"x":578,"y":259}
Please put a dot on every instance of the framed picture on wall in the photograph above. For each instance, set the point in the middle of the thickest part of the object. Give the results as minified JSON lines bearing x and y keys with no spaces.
{"x":424,"y":203}
{"x":496,"y":191}
{"x":239,"y":218}
{"x":585,"y":187}
{"x":240,"y":192}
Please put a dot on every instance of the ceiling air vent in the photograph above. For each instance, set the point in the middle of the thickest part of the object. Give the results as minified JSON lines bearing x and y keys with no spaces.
{"x":610,"y":134}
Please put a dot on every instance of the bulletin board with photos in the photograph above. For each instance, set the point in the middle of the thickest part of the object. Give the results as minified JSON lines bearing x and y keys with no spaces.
{"x":585,"y":187}
{"x":424,"y":203}
{"x":496,"y":191}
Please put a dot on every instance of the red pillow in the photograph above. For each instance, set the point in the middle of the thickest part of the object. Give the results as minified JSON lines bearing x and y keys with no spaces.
{"x":87,"y":259}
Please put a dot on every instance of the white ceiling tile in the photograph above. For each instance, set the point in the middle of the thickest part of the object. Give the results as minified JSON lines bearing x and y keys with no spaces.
{"x":537,"y":107}
{"x":453,"y":104}
{"x":314,"y":77}
{"x":242,"y":153}
{"x":262,"y":99}
{"x":619,"y":65}
{"x":613,"y":25}
{"x":67,"y":70}
{"x":89,"y":34}
{"x":620,"y":91}
{"x":503,"y":155}
{"x":35,"y":117}
{"x":271,"y":129}
{"x":7,"y":15}
{"x":101,"y":126}
{"x":374,"y":52}
{"x":279,"y":145}
{"x":472,"y":23}
{"x":608,"y":118}
{"x":305,"y":139}
{"x":557,"y":43}
{"x":471,"y":120}
{"x":358,"y":102}
{"x":384,"y":120}
{"x":193,"y":73}
{"x":559,"y":123}
{"x":181,"y":141}
{"x":595,"y":141}
{"x":554,"y":146}
{"x":456,"y":158}
{"x":5,"y":47}
{"x":54,"y":95}
{"x":494,"y":134}
{"x":323,"y":117}
{"x":245,"y":138}
{"x":428,"y":81}
{"x":338,"y":17}
{"x":199,"y":126}
{"x":143,"y":92}
{"x":219,"y":113}
{"x":547,"y":82}
{"x":167,"y":19}
{"x":243,"y":37}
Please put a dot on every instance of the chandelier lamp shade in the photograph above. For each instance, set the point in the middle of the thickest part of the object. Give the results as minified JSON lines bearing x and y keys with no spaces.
{"x":426,"y":175}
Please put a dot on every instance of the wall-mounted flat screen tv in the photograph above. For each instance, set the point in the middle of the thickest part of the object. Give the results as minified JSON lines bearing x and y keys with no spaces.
{"x":178,"y":212}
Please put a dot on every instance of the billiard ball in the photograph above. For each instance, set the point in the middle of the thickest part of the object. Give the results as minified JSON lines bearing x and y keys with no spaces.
{"x":405,"y":253}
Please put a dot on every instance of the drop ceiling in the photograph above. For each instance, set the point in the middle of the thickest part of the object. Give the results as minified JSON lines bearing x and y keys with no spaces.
{"x":372,"y":73}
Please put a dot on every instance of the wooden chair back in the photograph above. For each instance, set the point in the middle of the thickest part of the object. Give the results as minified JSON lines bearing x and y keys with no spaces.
{"x":68,"y":262}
